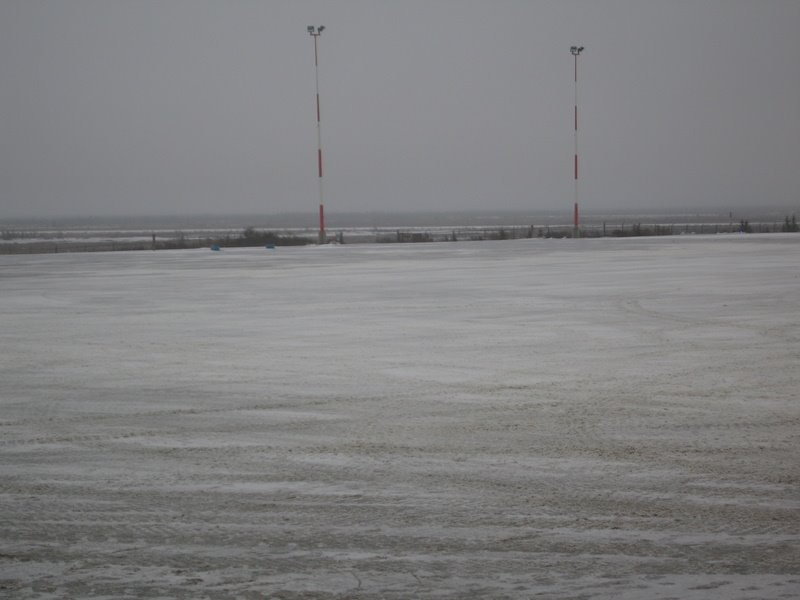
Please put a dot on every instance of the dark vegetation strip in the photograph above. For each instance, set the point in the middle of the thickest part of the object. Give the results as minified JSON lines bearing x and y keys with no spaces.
{"x":252,"y":237}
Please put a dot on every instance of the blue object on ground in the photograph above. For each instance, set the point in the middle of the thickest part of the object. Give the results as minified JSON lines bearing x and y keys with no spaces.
{"x":215,"y":248}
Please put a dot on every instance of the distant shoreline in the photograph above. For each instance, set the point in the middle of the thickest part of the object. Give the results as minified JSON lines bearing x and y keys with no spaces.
{"x":68,"y":236}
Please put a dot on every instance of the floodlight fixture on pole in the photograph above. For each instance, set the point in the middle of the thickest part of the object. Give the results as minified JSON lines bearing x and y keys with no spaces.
{"x":576,"y":50}
{"x":315,"y":33}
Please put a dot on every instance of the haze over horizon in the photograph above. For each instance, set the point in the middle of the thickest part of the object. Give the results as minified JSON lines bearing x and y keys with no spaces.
{"x":197,"y":107}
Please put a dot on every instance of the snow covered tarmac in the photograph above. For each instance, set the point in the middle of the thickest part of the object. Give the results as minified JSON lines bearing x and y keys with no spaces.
{"x":608,"y":418}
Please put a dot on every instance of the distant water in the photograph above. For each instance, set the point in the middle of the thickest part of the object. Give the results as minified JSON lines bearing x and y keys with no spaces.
{"x":335,"y":219}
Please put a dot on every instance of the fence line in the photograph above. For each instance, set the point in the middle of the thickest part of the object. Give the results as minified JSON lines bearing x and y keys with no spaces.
{"x":404,"y":235}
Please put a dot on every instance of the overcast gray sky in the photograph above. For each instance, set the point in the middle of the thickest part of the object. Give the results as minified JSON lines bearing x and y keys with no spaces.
{"x":197,"y":106}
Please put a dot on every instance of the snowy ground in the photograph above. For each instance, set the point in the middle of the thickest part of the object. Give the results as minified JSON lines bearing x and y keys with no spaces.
{"x":610,"y":418}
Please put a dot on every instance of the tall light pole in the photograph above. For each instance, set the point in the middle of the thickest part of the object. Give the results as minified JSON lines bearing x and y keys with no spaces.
{"x":315,"y":33}
{"x":576,"y":50}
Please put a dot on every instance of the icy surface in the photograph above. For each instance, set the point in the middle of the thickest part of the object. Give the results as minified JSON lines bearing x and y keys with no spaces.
{"x":539,"y":418}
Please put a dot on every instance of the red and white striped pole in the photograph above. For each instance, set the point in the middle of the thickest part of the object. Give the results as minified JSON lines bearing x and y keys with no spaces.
{"x":576,"y":50}
{"x":315,"y":33}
